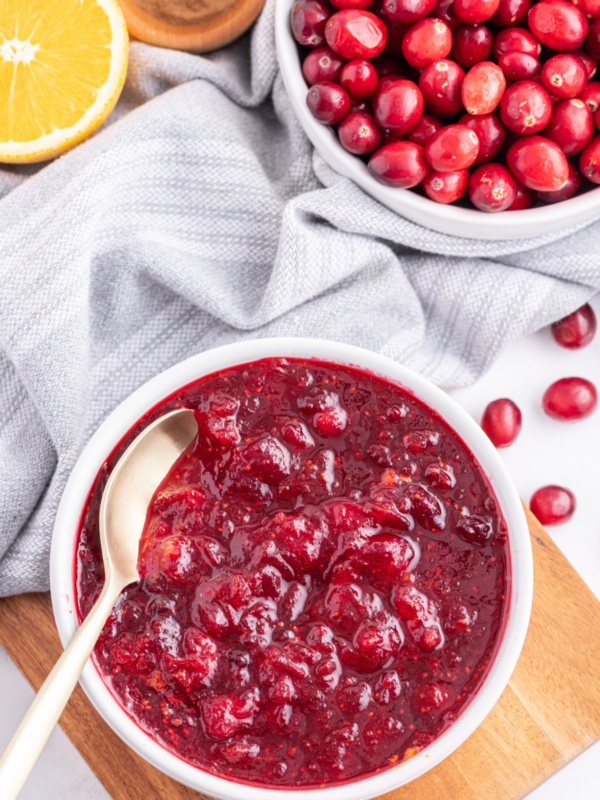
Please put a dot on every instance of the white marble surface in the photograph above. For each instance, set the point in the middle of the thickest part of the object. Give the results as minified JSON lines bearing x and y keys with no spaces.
{"x":546,"y":452}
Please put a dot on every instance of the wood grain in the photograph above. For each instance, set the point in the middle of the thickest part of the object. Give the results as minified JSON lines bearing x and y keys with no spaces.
{"x":548,"y":714}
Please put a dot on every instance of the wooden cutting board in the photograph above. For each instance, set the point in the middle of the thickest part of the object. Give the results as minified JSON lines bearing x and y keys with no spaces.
{"x":548,"y":714}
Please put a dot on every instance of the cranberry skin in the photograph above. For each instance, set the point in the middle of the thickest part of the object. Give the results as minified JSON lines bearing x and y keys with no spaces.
{"x":519,"y":66}
{"x":361,"y":106}
{"x":520,"y":40}
{"x":588,"y":62}
{"x":576,"y":330}
{"x":444,"y":10}
{"x":492,"y":188}
{"x":339,"y":4}
{"x":538,"y":163}
{"x":558,"y":25}
{"x":452,"y":148}
{"x":524,"y":199}
{"x":424,"y":130}
{"x":591,"y":95}
{"x":553,"y":505}
{"x":570,"y":188}
{"x":483,"y":88}
{"x":322,"y":64}
{"x":446,"y":187}
{"x":328,"y":102}
{"x":441,"y":83}
{"x":408,"y":10}
{"x":570,"y":399}
{"x":426,"y":41}
{"x":308,"y":21}
{"x":359,"y":79}
{"x":352,"y":33}
{"x":471,"y":44}
{"x":473,"y":11}
{"x":571,"y":126}
{"x":564,"y":75}
{"x":398,"y":106}
{"x":502,"y":421}
{"x":490,"y":132}
{"x":359,"y":133}
{"x":589,"y":8}
{"x":400,"y":164}
{"x":592,"y":40}
{"x":525,"y":108}
{"x":386,"y":65}
{"x":589,"y":161}
{"x":511,"y":12}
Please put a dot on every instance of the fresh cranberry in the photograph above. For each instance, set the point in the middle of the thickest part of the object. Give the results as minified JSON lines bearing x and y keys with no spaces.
{"x":400,"y":164}
{"x":589,"y":8}
{"x":444,"y":10}
{"x":424,"y":130}
{"x":452,"y":148}
{"x":553,"y":505}
{"x":568,"y":190}
{"x":359,"y":79}
{"x":339,"y":4}
{"x":519,"y":40}
{"x":473,"y":11}
{"x":426,"y":41}
{"x":359,"y":133}
{"x":564,"y":75}
{"x":576,"y":330}
{"x":446,"y":187}
{"x":538,"y":163}
{"x":511,"y":12}
{"x":328,"y":102}
{"x":519,"y":66}
{"x":502,"y":421}
{"x":592,"y":40}
{"x":570,"y":399}
{"x":308,"y":21}
{"x":591,"y":95}
{"x":558,"y":25}
{"x":589,"y":161}
{"x":571,"y":126}
{"x":441,"y":83}
{"x":490,"y":132}
{"x":398,"y":106}
{"x":408,"y":10}
{"x":492,"y":188}
{"x":471,"y":44}
{"x":482,"y":88}
{"x":525,"y":107}
{"x":588,"y":62}
{"x":524,"y":199}
{"x":322,"y":64}
{"x":352,"y":33}
{"x":361,"y":106}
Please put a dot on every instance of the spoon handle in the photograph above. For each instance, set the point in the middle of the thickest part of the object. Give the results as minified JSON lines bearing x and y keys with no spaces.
{"x":29,"y":739}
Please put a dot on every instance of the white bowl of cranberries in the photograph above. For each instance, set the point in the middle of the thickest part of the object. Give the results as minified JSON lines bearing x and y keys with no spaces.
{"x":472,"y":105}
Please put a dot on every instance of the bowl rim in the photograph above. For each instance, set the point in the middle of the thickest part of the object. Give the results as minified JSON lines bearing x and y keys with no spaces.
{"x":120,"y":421}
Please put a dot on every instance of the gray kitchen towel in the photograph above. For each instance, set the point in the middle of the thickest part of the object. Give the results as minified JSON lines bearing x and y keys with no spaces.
{"x":200,"y":215}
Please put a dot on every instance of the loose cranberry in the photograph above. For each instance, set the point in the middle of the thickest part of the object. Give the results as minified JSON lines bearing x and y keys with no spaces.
{"x":588,"y":62}
{"x":398,"y":106}
{"x":328,"y":102}
{"x":568,"y":190}
{"x":473,"y":11}
{"x":511,"y":12}
{"x":564,"y":75}
{"x":471,"y":44}
{"x":576,"y":330}
{"x":589,"y":8}
{"x":591,"y":95}
{"x":571,"y":126}
{"x":524,"y":199}
{"x":408,"y":10}
{"x":351,"y":3}
{"x":492,"y":188}
{"x":446,"y":187}
{"x":322,"y":64}
{"x":518,"y":40}
{"x":444,"y":10}
{"x":558,"y":25}
{"x":592,"y":40}
{"x":308,"y":21}
{"x":400,"y":164}
{"x":525,"y":107}
{"x":502,"y":421}
{"x":483,"y":88}
{"x":452,"y":148}
{"x":490,"y":132}
{"x":426,"y":41}
{"x":519,"y":66}
{"x":361,"y":106}
{"x":441,"y":83}
{"x":570,"y":399}
{"x":553,"y":505}
{"x":359,"y":133}
{"x":589,"y":161}
{"x":538,"y":163}
{"x":396,"y":32}
{"x":359,"y":79}
{"x":424,"y":130}
{"x":352,"y":33}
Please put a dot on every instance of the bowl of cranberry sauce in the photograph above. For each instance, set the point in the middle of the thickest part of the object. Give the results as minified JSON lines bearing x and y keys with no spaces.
{"x":336,"y":576}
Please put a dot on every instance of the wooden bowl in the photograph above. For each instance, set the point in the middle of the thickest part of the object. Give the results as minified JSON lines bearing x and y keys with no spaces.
{"x":217,"y":31}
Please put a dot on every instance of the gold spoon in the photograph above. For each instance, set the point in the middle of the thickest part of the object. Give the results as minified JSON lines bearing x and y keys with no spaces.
{"x":127,"y":495}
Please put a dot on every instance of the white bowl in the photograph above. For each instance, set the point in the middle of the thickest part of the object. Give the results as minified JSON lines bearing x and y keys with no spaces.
{"x":126,"y":415}
{"x":450,"y":219}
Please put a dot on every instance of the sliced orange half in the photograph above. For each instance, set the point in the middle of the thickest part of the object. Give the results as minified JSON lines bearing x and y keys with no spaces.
{"x":62,"y":68}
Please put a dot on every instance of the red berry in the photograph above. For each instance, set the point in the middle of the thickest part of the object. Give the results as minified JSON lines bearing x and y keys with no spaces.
{"x":553,"y":505}
{"x":592,"y":40}
{"x":359,"y":133}
{"x":308,"y":21}
{"x":359,"y":79}
{"x":385,"y":65}
{"x":526,"y":107}
{"x":511,"y":12}
{"x":568,"y":190}
{"x":473,"y":11}
{"x":524,"y":199}
{"x":570,"y":399}
{"x":492,"y":188}
{"x":408,"y":10}
{"x":564,"y":75}
{"x":444,"y":10}
{"x":322,"y":64}
{"x":424,"y":130}
{"x":441,"y":82}
{"x":558,"y":25}
{"x":518,"y":40}
{"x":591,"y":95}
{"x":519,"y":66}
{"x":398,"y":106}
{"x":538,"y":163}
{"x":589,"y":161}
{"x":328,"y":102}
{"x":452,"y":148}
{"x":482,"y":88}
{"x":589,"y":8}
{"x":490,"y":132}
{"x":400,"y":164}
{"x":351,"y":3}
{"x":471,"y":44}
{"x":446,"y":187}
{"x":352,"y":33}
{"x":502,"y":421}
{"x":571,"y":126}
{"x":588,"y":62}
{"x":577,"y":329}
{"x":426,"y":41}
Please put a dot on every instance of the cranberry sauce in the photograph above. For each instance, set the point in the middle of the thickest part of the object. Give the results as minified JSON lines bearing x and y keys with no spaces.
{"x":325,"y":578}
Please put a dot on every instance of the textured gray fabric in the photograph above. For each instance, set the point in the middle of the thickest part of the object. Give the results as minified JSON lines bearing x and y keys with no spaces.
{"x":200,"y":215}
